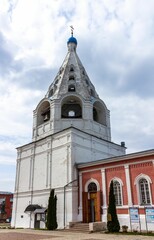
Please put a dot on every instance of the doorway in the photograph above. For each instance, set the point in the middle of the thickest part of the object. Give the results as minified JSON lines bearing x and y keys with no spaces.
{"x":91,"y":204}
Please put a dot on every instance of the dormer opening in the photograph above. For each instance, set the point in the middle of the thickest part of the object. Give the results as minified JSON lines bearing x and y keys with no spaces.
{"x":43,"y":113}
{"x":71,"y":69}
{"x":71,"y":88}
{"x":51,"y":92}
{"x":71,"y":108}
{"x":92,"y":93}
{"x":99,"y":113}
{"x":87,"y":82}
{"x":71,"y":78}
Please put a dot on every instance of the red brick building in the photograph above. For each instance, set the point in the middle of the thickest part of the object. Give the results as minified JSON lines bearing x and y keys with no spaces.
{"x":6,"y":201}
{"x":133,"y":176}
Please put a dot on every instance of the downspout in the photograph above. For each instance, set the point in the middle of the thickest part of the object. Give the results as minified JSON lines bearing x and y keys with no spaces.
{"x":65,"y":196}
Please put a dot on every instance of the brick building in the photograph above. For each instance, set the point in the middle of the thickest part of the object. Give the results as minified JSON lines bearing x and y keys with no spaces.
{"x":132,"y":175}
{"x":6,"y":202}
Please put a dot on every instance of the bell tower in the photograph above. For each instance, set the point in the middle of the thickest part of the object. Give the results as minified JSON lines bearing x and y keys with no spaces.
{"x":71,"y":101}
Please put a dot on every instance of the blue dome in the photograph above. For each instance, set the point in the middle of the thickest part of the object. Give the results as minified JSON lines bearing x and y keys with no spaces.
{"x":72,"y":40}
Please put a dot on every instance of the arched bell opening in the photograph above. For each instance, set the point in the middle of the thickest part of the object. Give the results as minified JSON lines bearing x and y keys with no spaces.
{"x":71,"y":107}
{"x":43,"y":113}
{"x":99,"y":113}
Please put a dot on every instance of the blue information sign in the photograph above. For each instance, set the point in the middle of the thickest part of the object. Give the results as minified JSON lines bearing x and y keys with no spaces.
{"x":134,"y":215}
{"x":149,"y":215}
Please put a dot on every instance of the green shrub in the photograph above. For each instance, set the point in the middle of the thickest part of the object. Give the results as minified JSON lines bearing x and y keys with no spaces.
{"x":112,"y":219}
{"x":51,"y":223}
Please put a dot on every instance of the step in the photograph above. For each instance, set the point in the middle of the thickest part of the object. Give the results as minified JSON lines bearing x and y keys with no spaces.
{"x":79,"y":227}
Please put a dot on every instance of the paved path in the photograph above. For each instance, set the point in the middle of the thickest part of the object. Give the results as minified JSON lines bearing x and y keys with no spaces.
{"x":27,"y":234}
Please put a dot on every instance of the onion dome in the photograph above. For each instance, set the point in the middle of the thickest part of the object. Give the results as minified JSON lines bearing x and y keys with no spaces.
{"x":72,"y":40}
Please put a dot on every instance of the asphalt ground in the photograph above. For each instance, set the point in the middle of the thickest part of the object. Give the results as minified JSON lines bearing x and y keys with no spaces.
{"x":28,"y":234}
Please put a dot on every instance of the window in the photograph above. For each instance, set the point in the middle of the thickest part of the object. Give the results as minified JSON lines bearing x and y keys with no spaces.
{"x":144,"y":192}
{"x":117,"y":193}
{"x":71,"y":88}
{"x":92,"y":187}
{"x":71,"y":78}
{"x":71,"y":69}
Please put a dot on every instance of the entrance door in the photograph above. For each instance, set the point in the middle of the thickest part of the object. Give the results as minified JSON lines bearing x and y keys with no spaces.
{"x":37,"y":221}
{"x":91,"y":204}
{"x":93,"y":207}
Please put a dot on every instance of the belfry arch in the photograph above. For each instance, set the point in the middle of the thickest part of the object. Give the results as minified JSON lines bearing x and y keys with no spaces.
{"x":71,"y":107}
{"x":99,"y":113}
{"x":43,"y":113}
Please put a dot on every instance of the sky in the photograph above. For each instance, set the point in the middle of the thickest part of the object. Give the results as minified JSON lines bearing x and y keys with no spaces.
{"x":115,"y":45}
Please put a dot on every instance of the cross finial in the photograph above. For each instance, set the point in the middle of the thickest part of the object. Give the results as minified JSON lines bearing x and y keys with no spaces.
{"x":72,"y":28}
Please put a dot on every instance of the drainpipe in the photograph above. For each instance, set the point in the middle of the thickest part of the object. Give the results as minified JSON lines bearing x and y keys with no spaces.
{"x":65,"y":196}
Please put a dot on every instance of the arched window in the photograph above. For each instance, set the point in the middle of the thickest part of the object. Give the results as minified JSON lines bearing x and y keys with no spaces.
{"x":144,"y":192}
{"x":92,"y":187}
{"x":142,"y":183}
{"x":117,"y":192}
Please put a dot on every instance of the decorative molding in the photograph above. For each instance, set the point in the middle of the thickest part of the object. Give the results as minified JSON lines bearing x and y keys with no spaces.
{"x":89,"y":181}
{"x":142,"y":176}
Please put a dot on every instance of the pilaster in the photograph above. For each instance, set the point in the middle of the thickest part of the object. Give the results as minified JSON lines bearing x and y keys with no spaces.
{"x":129,"y":192}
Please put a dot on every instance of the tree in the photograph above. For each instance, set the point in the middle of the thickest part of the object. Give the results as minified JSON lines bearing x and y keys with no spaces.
{"x":112,"y":219}
{"x":51,"y":223}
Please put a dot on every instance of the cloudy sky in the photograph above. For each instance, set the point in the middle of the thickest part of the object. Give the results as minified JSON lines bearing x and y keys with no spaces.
{"x":115,"y":45}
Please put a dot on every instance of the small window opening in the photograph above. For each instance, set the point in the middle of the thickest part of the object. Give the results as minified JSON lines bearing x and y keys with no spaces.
{"x":56,"y":82}
{"x":71,"y":69}
{"x":51,"y":92}
{"x":61,"y":70}
{"x":71,"y":88}
{"x":92,"y":92}
{"x":71,"y":78}
{"x":87,"y":82}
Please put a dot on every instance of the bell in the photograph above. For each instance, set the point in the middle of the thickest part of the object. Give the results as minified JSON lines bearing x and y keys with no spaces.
{"x":46,"y":117}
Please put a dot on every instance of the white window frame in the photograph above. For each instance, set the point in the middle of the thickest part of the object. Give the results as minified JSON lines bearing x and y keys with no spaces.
{"x":90,"y":181}
{"x":137,"y":180}
{"x":121,"y":192}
